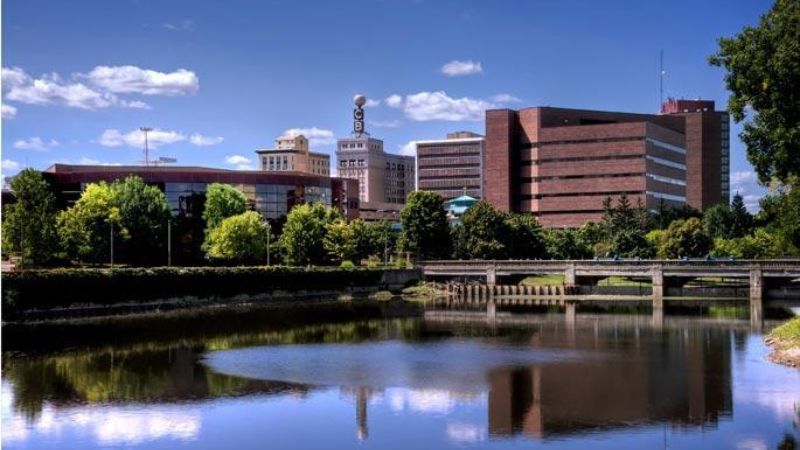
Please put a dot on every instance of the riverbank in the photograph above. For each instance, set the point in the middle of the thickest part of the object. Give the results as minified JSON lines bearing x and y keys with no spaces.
{"x":69,"y":293}
{"x":785,"y":343}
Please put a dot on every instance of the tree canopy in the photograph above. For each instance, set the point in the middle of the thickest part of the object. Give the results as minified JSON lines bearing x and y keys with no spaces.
{"x":144,"y":212}
{"x":763,"y":76}
{"x":304,"y":233}
{"x":29,"y":225}
{"x":222,"y":201}
{"x":425,"y":228}
{"x":243,"y":238}
{"x":84,"y":229}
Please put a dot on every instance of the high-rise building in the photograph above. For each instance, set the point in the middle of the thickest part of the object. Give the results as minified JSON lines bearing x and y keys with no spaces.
{"x":384,"y":179}
{"x":560,"y":164}
{"x":291,"y":154}
{"x":451,"y":167}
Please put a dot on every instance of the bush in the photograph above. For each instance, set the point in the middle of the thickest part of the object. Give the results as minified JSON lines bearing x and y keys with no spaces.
{"x":347,"y":264}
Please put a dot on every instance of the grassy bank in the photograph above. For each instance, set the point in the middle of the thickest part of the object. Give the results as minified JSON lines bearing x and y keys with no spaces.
{"x":785,"y":343}
{"x":39,"y":290}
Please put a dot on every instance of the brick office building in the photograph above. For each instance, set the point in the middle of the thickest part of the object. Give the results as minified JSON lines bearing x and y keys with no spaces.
{"x":560,"y":164}
{"x":451,"y":167}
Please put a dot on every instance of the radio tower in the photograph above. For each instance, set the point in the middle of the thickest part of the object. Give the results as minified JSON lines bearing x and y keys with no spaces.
{"x":146,"y":150}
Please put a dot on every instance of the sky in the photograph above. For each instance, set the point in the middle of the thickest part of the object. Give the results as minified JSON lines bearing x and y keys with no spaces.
{"x":217,"y":80}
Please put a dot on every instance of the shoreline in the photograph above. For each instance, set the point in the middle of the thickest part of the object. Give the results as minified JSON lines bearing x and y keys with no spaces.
{"x":784,"y":341}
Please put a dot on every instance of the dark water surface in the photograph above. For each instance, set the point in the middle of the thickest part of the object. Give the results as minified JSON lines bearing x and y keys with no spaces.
{"x":604,"y":381}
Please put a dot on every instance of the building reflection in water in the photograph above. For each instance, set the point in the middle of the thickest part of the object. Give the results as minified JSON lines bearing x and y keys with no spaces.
{"x":683,"y":380}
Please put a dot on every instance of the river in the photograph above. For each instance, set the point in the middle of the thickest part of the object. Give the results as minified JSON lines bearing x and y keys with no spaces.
{"x":442,"y":381}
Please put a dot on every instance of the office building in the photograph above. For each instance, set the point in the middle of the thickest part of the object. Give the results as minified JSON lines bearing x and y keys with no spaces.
{"x":451,"y":167}
{"x":560,"y":164}
{"x":291,"y":154}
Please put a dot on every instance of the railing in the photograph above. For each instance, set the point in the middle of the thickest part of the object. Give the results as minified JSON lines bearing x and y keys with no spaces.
{"x":665,"y":264}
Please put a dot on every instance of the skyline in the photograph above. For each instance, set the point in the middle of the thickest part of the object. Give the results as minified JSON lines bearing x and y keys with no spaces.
{"x":226,"y":81}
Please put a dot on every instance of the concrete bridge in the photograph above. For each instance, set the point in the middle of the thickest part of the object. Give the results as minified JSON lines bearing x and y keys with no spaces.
{"x":661,"y":273}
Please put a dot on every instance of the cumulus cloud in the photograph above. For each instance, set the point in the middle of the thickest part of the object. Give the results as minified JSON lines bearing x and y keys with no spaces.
{"x":315,"y":136}
{"x":745,"y":182}
{"x":35,"y":143}
{"x":132,"y":79}
{"x":410,"y":148}
{"x":183,"y":25}
{"x":371,"y":103}
{"x":241,"y":162}
{"x":505,"y":98}
{"x":9,"y":112}
{"x":155,"y":138}
{"x":461,"y":68}
{"x":394,"y":101}
{"x":205,"y":141}
{"x":98,"y":89}
{"x":8,"y":164}
{"x":424,"y":106}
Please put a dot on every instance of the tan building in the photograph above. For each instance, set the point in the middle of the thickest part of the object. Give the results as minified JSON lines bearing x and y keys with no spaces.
{"x":291,"y":154}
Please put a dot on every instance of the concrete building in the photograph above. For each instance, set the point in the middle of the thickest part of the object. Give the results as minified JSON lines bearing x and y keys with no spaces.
{"x":384,"y":179}
{"x":271,"y":194}
{"x":291,"y":154}
{"x":453,"y":166}
{"x":560,"y":164}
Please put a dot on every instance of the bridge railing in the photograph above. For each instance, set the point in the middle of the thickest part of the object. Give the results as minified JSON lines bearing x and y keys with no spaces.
{"x":666,"y":263}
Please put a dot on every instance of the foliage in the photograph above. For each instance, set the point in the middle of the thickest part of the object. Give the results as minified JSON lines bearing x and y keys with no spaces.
{"x":426,"y":232}
{"x":222,"y":201}
{"x":84,"y":229}
{"x":482,"y":233}
{"x":524,"y":239}
{"x":728,"y":221}
{"x":788,"y":333}
{"x":684,"y":238}
{"x":666,"y":214}
{"x":781,"y":213}
{"x":763,"y":74}
{"x":339,"y":240}
{"x":143,"y":212}
{"x":29,"y":225}
{"x":564,"y":243}
{"x":302,"y":240}
{"x":760,"y":244}
{"x":347,"y":264}
{"x":625,"y":227}
{"x":243,"y":238}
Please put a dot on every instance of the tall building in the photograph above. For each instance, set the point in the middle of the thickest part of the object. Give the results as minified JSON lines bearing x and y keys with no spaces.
{"x":560,"y":164}
{"x":291,"y":154}
{"x":453,"y":166}
{"x":384,"y":179}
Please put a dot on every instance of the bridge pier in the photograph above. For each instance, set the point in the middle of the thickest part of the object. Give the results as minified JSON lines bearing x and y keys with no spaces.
{"x":658,"y":287}
{"x":756,"y":297}
{"x":571,"y":309}
{"x":491,"y":276}
{"x":491,"y":310}
{"x":569,"y":275}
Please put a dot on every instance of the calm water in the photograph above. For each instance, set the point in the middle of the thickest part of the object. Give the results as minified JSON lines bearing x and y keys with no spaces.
{"x":534,"y":381}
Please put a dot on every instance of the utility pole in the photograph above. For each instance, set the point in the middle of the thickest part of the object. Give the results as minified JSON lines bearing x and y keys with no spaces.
{"x":145,"y":130}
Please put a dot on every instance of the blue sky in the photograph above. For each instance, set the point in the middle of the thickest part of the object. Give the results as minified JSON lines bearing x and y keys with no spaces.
{"x":220,"y":79}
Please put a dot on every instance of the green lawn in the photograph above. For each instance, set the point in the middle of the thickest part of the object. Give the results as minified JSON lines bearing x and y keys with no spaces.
{"x":622,"y":281}
{"x":788,"y":333}
{"x":543,"y":280}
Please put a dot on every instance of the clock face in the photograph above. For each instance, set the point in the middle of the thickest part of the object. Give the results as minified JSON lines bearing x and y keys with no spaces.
{"x":358,"y":113}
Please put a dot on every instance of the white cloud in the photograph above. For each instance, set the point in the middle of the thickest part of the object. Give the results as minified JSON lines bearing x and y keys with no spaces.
{"x":385,"y":123}
{"x":155,"y":138}
{"x":183,"y":25}
{"x":51,"y":89}
{"x":8,"y":164}
{"x":410,"y":148}
{"x":315,"y":136}
{"x":424,"y":106}
{"x":241,"y":162}
{"x":35,"y":143}
{"x":505,"y":98}
{"x":465,"y":432}
{"x":9,"y":112}
{"x":132,"y":79}
{"x":745,"y":182}
{"x":371,"y":103}
{"x":461,"y":68}
{"x":205,"y":141}
{"x":394,"y":101}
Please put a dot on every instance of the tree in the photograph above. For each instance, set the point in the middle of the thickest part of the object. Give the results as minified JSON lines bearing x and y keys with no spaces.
{"x":728,"y":221}
{"x":84,"y":229}
{"x":339,"y":240}
{"x":29,"y":225}
{"x":781,"y":216}
{"x":563,"y":243}
{"x":665,"y":214}
{"x":242,"y":239}
{"x":684,"y":238}
{"x":741,"y":220}
{"x":625,"y":228}
{"x":484,"y":233}
{"x":144,"y":212}
{"x":763,"y":74}
{"x":525,"y":237}
{"x":425,"y":228}
{"x":222,"y":201}
{"x":760,"y":244}
{"x":302,"y":240}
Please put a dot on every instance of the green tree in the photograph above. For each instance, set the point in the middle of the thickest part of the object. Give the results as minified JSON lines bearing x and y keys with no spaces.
{"x":29,"y":225}
{"x":728,"y":221}
{"x":340,"y":240}
{"x":525,"y":238}
{"x":763,"y":74}
{"x":760,"y":244}
{"x":592,"y":235}
{"x":222,"y":201}
{"x":144,"y":212}
{"x":302,"y":240}
{"x":241,"y":239}
{"x":625,"y":228}
{"x":741,"y":219}
{"x":484,"y":232}
{"x":84,"y":229}
{"x":425,"y":228}
{"x":564,"y":243}
{"x":781,"y":217}
{"x":684,"y":238}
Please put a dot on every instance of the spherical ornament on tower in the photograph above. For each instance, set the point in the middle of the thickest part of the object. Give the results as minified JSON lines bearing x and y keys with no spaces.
{"x":360,"y":100}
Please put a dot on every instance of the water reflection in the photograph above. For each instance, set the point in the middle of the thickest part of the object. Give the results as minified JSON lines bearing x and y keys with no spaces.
{"x":454,"y":382}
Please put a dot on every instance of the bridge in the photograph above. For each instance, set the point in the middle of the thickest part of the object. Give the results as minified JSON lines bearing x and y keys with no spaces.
{"x":661,"y":273}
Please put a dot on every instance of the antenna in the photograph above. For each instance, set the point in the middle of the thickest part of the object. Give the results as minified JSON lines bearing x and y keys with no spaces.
{"x":661,"y":74}
{"x":145,"y":130}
